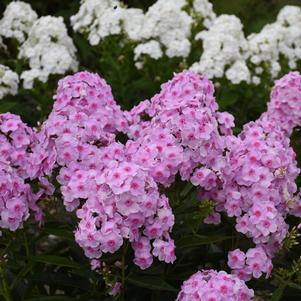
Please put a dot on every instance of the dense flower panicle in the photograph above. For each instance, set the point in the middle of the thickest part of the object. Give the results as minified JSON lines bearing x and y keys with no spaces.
{"x":84,"y":115}
{"x":253,"y":263}
{"x":281,"y":38}
{"x":224,"y":45}
{"x":9,"y":81}
{"x":115,"y":197}
{"x":210,"y":285}
{"x":48,"y":49}
{"x":17,"y":165}
{"x":184,"y":130}
{"x":99,"y":18}
{"x":284,"y":108}
{"x":167,"y":22}
{"x":257,"y":185}
{"x":122,"y":202}
{"x":17,"y":20}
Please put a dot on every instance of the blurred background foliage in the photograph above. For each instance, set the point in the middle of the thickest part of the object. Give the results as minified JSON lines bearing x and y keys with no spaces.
{"x":46,"y":264}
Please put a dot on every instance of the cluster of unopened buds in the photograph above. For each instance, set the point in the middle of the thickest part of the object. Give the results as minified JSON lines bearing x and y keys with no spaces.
{"x":115,"y":187}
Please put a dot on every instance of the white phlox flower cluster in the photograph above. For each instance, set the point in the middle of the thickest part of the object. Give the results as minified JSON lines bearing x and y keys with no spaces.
{"x":44,"y":42}
{"x":165,"y":29}
{"x":103,"y":18}
{"x":48,"y":49}
{"x":99,"y":19}
{"x":17,"y":21}
{"x":164,"y":22}
{"x":224,"y":45}
{"x":167,"y":22}
{"x":282,"y":37}
{"x":9,"y":81}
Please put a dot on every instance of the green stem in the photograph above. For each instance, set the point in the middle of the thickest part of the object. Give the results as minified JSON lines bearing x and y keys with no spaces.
{"x":124,"y":250}
{"x":6,"y":293}
{"x":26,"y":245}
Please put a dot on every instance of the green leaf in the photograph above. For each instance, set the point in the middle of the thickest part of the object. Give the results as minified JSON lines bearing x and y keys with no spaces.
{"x":27,"y":268}
{"x":188,"y":187}
{"x":198,"y":240}
{"x":7,"y":106}
{"x":56,"y":260}
{"x":61,"y":279}
{"x":294,"y":285}
{"x":151,"y":282}
{"x":51,"y":298}
{"x":278,"y":293}
{"x":63,"y":233}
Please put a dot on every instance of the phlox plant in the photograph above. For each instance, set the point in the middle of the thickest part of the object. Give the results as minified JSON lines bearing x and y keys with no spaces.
{"x":150,"y":150}
{"x":125,"y":199}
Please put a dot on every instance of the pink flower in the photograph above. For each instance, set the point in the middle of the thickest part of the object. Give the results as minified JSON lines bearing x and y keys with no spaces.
{"x":115,"y":289}
{"x":214,"y":286}
{"x":236,"y":259}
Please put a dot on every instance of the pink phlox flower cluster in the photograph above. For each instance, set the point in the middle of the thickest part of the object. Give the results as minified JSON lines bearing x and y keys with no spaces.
{"x":114,"y":187}
{"x":17,"y":164}
{"x":116,"y":197}
{"x":284,"y":107}
{"x":121,"y":201}
{"x":84,"y":115}
{"x":296,"y":205}
{"x":257,"y":183}
{"x":210,"y":285}
{"x":253,"y":263}
{"x":184,"y":130}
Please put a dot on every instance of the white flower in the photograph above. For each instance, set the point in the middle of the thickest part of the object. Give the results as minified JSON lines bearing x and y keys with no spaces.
{"x":224,"y":45}
{"x":9,"y":81}
{"x":151,"y":48}
{"x":17,"y":20}
{"x":178,"y":48}
{"x":165,"y":21}
{"x":98,"y":18}
{"x":238,"y":72}
{"x":256,"y":80}
{"x":48,"y":49}
{"x":205,"y":10}
{"x":170,"y":24}
{"x":282,"y":37}
{"x":133,"y":20}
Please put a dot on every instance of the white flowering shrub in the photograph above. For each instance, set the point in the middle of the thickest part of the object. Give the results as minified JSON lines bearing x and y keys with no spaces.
{"x":226,"y":51}
{"x":225,"y":48}
{"x":281,"y":38}
{"x":42,"y":43}
{"x":48,"y":49}
{"x":17,"y":21}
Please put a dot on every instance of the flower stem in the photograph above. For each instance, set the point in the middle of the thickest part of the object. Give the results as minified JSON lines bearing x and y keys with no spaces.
{"x":5,"y":291}
{"x":124,"y":250}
